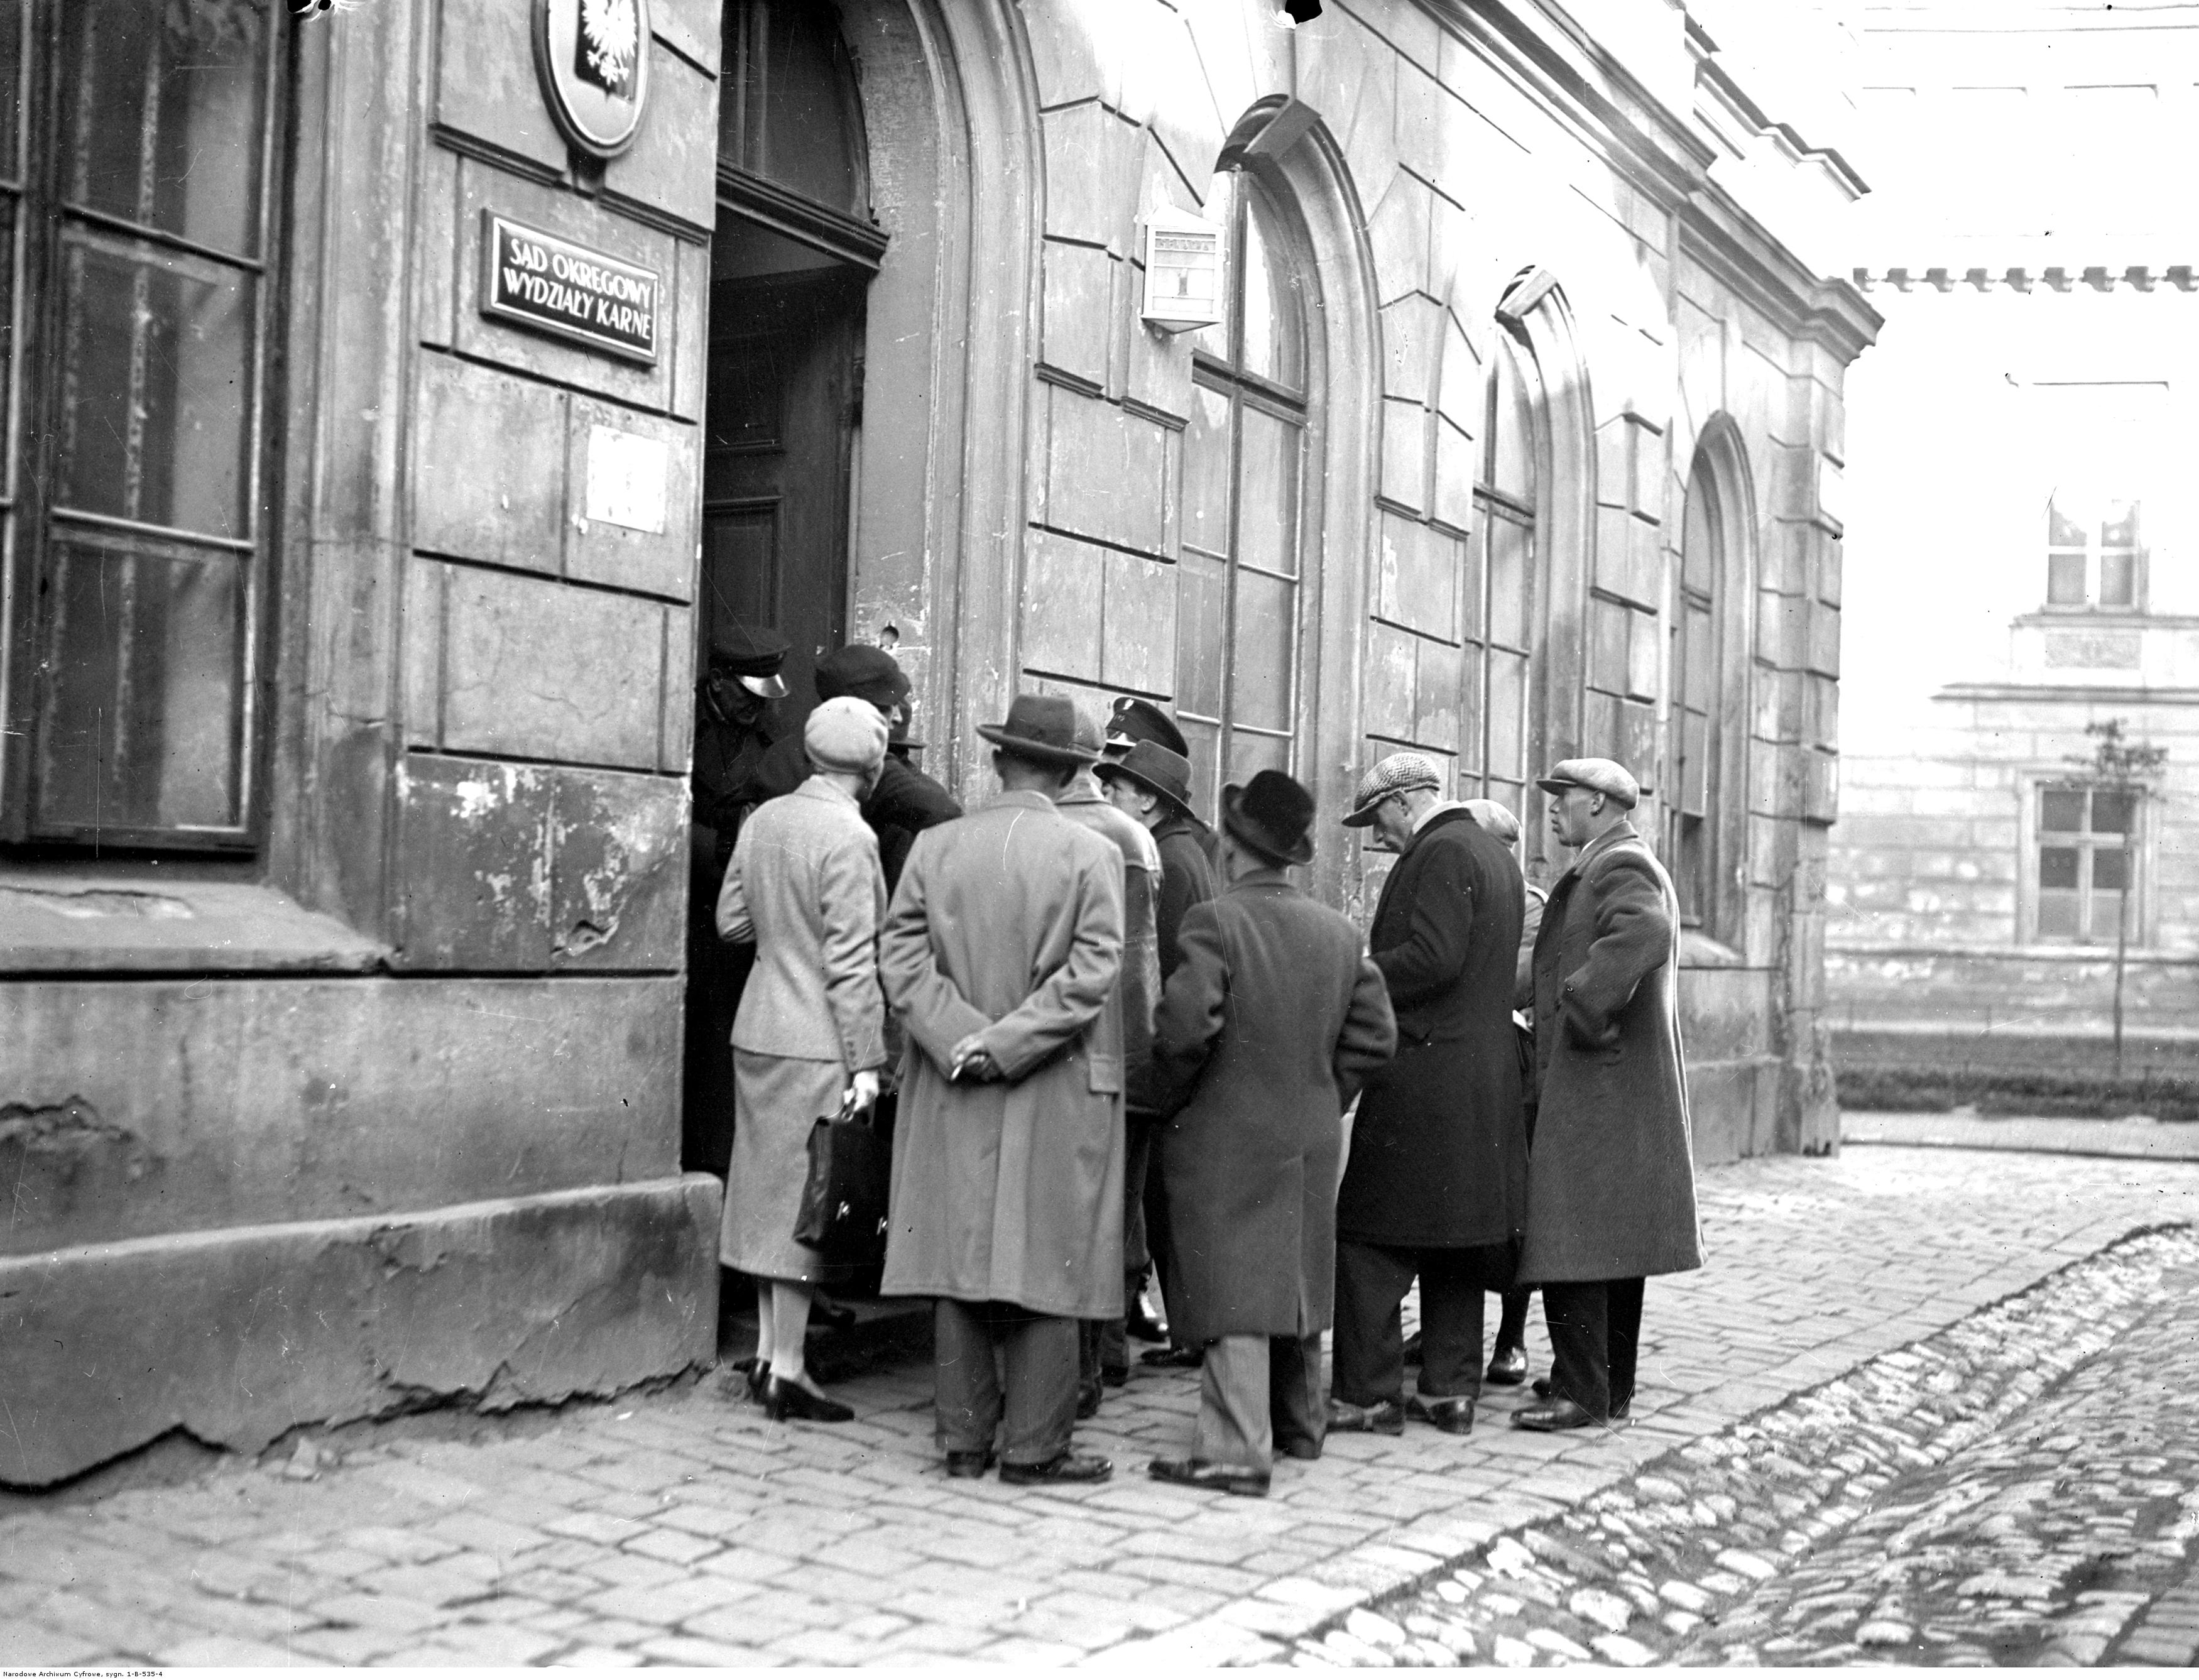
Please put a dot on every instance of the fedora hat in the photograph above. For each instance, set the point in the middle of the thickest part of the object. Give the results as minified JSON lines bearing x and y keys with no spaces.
{"x":1153,"y":767}
{"x":1271,"y":814}
{"x":1040,"y":727}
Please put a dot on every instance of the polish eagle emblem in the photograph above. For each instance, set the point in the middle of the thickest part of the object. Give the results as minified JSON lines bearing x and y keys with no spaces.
{"x":609,"y":44}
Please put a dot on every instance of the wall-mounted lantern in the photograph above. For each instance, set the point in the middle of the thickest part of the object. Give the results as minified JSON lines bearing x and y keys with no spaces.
{"x":1183,"y":272}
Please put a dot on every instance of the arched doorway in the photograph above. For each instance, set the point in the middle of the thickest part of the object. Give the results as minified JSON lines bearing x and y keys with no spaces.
{"x":791,"y":262}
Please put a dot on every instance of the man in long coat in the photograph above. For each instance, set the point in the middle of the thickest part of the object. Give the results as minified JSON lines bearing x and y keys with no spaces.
{"x":1267,"y":1027}
{"x":1000,"y":954}
{"x":1611,"y":1192}
{"x":1436,"y":1184}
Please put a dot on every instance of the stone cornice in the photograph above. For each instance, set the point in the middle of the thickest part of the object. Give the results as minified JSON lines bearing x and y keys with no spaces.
{"x":2057,"y":278}
{"x":1740,"y":253}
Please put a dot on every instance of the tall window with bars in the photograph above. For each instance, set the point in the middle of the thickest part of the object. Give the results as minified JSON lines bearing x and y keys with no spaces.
{"x":138,"y":145}
{"x":2085,"y":854}
{"x":1499,"y":597}
{"x":2094,"y":557}
{"x":1695,"y":690}
{"x":1240,"y":577}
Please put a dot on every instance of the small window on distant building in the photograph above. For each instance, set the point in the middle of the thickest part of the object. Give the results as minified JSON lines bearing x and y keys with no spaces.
{"x":2085,"y":854}
{"x":2095,"y":557}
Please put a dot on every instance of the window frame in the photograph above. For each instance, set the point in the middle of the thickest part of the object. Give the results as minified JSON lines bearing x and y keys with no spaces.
{"x":2092,"y":556}
{"x":2137,"y":845}
{"x":1493,"y":505}
{"x":36,"y":524}
{"x":1689,"y":831}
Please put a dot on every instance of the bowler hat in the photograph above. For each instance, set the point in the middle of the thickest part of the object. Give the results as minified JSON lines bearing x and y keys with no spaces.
{"x":1153,"y":767}
{"x":1270,"y":813}
{"x":1598,"y":775}
{"x":845,"y":734}
{"x":1135,"y":721}
{"x":1400,"y":772}
{"x":751,"y":653}
{"x":1040,"y":727}
{"x":867,"y":673}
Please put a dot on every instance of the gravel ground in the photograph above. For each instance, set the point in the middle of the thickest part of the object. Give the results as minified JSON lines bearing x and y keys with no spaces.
{"x":2021,"y":1488}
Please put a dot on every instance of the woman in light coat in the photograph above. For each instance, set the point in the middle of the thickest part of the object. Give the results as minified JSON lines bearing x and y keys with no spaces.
{"x":805,"y":886}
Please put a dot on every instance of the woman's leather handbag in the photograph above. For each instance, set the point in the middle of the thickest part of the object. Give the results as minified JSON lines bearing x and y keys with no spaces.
{"x":843,"y":1202}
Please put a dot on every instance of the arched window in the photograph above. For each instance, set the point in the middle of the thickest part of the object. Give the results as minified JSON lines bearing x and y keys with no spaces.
{"x":1240,"y":578}
{"x":1690,"y":842}
{"x":1500,"y":593}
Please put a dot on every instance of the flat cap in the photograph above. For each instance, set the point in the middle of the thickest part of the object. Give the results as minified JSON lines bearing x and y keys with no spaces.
{"x":1598,"y":775}
{"x":867,"y":673}
{"x":1397,"y":774}
{"x":1496,"y":819}
{"x":846,"y":735}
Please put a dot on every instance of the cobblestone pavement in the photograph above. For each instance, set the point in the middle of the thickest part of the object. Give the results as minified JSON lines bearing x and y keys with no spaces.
{"x":2022,"y":1488}
{"x":682,"y":1527}
{"x":2137,"y":1136}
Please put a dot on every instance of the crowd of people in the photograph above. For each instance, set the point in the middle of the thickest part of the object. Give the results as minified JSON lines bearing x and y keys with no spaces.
{"x":1120,"y":1043}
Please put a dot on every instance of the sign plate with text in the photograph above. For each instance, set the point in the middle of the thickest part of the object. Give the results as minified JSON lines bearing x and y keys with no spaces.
{"x":534,"y":279}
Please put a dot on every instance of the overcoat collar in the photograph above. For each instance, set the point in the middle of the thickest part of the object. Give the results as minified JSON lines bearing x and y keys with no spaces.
{"x":1445,"y":815}
{"x":816,"y":787}
{"x":1257,"y":878}
{"x":1020,"y":799}
{"x":1622,"y":829}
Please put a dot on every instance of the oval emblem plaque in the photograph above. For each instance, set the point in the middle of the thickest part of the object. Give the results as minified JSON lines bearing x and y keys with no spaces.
{"x":593,"y":59}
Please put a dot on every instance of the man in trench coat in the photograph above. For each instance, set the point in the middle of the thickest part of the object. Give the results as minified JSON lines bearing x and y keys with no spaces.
{"x":1000,"y":954}
{"x":1267,"y":1027}
{"x":1435,"y":1185}
{"x":1611,"y":1188}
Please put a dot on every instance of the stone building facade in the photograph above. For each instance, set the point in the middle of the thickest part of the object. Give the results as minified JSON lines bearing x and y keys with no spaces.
{"x":356,"y":581}
{"x":2021,"y":523}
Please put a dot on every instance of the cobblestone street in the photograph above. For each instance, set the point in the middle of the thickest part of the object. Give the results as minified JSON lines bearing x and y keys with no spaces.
{"x":682,"y":1527}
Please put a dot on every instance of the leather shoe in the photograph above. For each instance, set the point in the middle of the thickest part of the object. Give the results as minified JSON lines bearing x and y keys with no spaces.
{"x":1088,"y":1399}
{"x":1174,"y":1358}
{"x":1507,"y":1367}
{"x":753,"y":1371}
{"x":1454,"y":1415}
{"x":1542,"y":1387}
{"x":783,"y":1400}
{"x":1066,"y":1468}
{"x":1301,"y":1447}
{"x":1115,"y":1376}
{"x":1385,"y":1418}
{"x":1197,"y":1472}
{"x":1622,"y":1411}
{"x":969,"y":1466}
{"x":1556,"y":1415}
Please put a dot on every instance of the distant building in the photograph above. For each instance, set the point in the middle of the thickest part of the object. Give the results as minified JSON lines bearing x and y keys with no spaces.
{"x":401,"y":396}
{"x":2023,"y":535}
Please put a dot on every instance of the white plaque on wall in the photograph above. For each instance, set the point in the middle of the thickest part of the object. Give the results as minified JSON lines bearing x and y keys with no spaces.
{"x":1183,"y":272}
{"x":626,"y":479}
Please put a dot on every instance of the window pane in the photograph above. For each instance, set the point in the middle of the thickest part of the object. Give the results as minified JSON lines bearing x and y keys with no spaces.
{"x":2065,"y":580}
{"x":144,"y":650}
{"x":2062,"y":811}
{"x":1274,"y":326}
{"x":1249,"y":754}
{"x":2057,"y":915}
{"x":1471,"y":709}
{"x":2118,"y":579}
{"x":1699,"y":536}
{"x":1691,"y":866}
{"x":1205,"y":740}
{"x":2062,"y":530}
{"x":11,"y":104}
{"x":798,"y":111}
{"x":155,"y":368}
{"x":1511,"y":554}
{"x":1261,"y":693}
{"x":1221,"y":209}
{"x":1206,"y":471}
{"x":1511,"y":459}
{"x":1695,"y":730}
{"x":1507,"y":716}
{"x":2111,"y":812}
{"x":1268,"y":517}
{"x":2058,"y":868}
{"x":2119,"y":529}
{"x":162,"y":114}
{"x":1695,"y":684}
{"x":2108,"y":865}
{"x":1201,"y":634}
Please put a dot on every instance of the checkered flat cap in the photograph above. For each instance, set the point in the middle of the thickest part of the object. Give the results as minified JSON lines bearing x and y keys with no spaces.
{"x":1396,"y":773}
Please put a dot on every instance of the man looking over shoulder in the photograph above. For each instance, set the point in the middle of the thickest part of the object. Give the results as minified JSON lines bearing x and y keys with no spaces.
{"x":1611,"y":1190}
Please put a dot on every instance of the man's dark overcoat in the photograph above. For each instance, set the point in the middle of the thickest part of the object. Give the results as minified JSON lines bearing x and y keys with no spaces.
{"x":1611,"y":1186}
{"x":1272,"y":1019}
{"x":1439,"y":1149}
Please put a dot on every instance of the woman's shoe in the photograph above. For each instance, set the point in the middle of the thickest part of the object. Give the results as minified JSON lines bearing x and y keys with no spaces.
{"x":753,"y":1372}
{"x":783,"y":1400}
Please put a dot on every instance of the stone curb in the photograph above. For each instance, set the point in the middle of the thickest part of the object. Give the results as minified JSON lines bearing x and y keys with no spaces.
{"x":1589,"y":1574}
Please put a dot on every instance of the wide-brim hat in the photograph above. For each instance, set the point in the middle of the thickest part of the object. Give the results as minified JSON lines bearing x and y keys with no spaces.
{"x":1598,"y":775}
{"x":1040,"y":727}
{"x":1153,"y":767}
{"x":1400,"y":772}
{"x":1272,"y":814}
{"x":1134,"y":721}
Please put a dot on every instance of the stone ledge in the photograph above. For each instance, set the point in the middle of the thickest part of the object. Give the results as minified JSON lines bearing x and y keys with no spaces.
{"x":143,"y":922}
{"x":236,"y":1337}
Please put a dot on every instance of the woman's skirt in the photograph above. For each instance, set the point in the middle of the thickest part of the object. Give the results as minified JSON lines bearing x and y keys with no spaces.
{"x":777,"y":1100}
